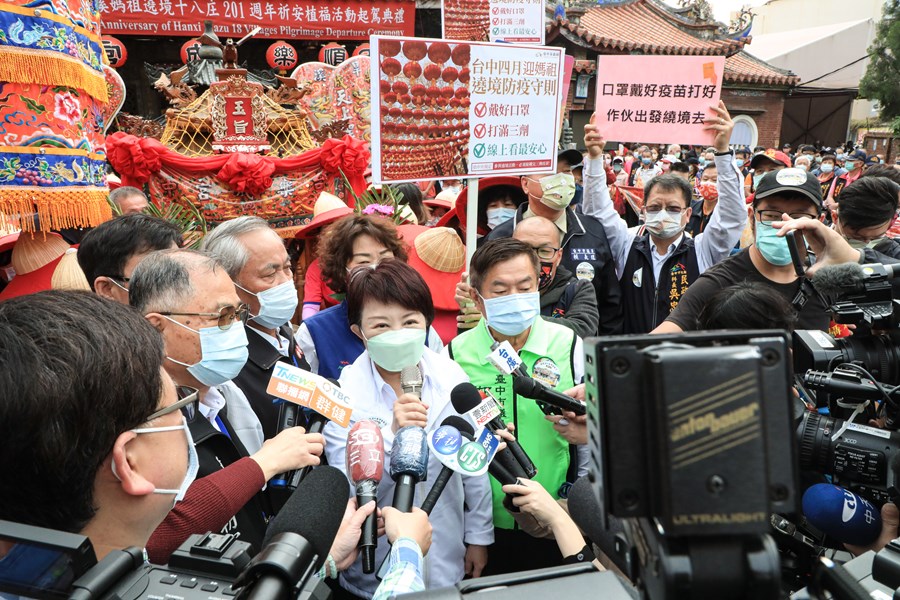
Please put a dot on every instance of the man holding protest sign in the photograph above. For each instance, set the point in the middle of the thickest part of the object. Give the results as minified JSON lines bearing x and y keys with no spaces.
{"x":656,"y":267}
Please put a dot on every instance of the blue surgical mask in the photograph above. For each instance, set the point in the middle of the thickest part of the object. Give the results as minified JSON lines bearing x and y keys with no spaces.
{"x":850,"y":165}
{"x":496,"y":216}
{"x":512,"y":314}
{"x":827,"y":168}
{"x":840,"y":156}
{"x":396,"y":349}
{"x":773,"y":248}
{"x":277,"y":305}
{"x":193,"y":459}
{"x":739,"y":162}
{"x":223,"y":353}
{"x":646,"y":161}
{"x":616,"y":168}
{"x":757,"y":179}
{"x":702,"y":162}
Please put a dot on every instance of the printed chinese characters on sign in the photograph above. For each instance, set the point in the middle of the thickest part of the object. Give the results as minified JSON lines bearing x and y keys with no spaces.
{"x":293,"y":19}
{"x":662,"y":99}
{"x":312,"y":391}
{"x":449,"y":109}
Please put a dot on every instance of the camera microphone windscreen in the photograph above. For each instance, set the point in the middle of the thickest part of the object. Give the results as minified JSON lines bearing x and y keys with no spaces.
{"x":838,"y":279}
{"x":841,"y":514}
{"x":314,"y":511}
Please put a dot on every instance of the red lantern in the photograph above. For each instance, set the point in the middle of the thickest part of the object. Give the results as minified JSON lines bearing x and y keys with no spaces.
{"x":412,"y":70}
{"x":281,"y":56}
{"x":362,"y":50}
{"x":189,"y":51}
{"x":115,"y":51}
{"x":334,"y":54}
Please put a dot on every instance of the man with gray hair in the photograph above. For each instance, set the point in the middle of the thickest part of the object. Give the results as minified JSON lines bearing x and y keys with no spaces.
{"x":130,"y":200}
{"x":257,"y":262}
{"x":191,"y":300}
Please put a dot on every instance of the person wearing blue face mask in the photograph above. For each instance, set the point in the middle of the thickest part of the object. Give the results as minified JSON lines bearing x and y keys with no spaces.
{"x":792,"y":192}
{"x":854,"y":163}
{"x":390,"y":310}
{"x":190,"y":299}
{"x":504,"y":275}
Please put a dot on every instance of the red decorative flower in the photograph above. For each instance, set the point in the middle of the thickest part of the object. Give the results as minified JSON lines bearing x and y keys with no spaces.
{"x":247,"y":173}
{"x":347,"y":154}
{"x":132,"y":157}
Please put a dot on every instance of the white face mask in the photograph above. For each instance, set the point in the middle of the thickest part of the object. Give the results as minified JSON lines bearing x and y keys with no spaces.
{"x":496,"y":216}
{"x":193,"y":459}
{"x":664,"y":225}
{"x":558,"y":190}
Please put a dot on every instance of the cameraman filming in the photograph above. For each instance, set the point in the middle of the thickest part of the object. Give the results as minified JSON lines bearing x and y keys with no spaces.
{"x":93,"y":438}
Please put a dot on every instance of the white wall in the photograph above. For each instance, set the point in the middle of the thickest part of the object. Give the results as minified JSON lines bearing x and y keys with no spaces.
{"x":785,"y":15}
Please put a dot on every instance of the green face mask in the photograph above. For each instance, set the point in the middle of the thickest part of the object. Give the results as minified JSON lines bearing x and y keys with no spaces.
{"x":773,"y":248}
{"x":859,"y":244}
{"x":396,"y":349}
{"x":850,"y":165}
{"x":757,"y":179}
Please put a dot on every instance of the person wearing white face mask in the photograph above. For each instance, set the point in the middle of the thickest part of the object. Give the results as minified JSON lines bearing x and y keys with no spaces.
{"x":505,"y":286}
{"x":93,"y":440}
{"x":390,"y":310}
{"x":585,"y":248}
{"x":656,"y":266}
{"x":190,"y":299}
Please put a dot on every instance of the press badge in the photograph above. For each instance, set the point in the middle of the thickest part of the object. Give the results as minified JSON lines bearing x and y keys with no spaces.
{"x":504,"y":358}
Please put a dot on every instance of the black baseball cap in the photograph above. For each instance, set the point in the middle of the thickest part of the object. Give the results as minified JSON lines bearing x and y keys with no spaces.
{"x":573,"y":157}
{"x":790,"y":180}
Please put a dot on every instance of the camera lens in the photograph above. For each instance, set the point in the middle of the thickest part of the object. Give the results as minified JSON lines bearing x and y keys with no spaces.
{"x":814,"y":434}
{"x":880,"y":355}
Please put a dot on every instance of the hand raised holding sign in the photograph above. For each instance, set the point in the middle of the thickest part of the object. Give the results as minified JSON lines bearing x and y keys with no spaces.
{"x":593,"y":139}
{"x":722,"y":125}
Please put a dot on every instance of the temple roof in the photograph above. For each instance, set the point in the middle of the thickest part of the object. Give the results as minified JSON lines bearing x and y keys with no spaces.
{"x":744,"y":68}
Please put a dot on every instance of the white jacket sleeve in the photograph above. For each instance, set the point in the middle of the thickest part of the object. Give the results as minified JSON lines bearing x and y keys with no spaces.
{"x":479,"y":516}
{"x":727,"y":222}
{"x":598,"y":204}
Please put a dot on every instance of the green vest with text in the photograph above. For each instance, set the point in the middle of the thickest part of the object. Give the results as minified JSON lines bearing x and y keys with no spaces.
{"x":547,"y":356}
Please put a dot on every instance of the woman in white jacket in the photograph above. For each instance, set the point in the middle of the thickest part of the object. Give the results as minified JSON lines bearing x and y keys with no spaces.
{"x":390,"y":309}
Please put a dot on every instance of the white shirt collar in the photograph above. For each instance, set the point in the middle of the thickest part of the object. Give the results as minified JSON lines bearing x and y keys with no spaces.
{"x":278,"y":342}
{"x":210,"y":404}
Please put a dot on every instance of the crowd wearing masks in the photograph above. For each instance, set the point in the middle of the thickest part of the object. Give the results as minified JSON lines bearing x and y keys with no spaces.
{"x":140,"y":412}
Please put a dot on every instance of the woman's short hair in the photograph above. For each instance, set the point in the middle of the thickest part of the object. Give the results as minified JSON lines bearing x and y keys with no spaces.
{"x":390,"y":282}
{"x":747,"y":306}
{"x":336,"y":245}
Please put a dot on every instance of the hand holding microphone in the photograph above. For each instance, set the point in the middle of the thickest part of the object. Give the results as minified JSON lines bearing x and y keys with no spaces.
{"x":291,"y":449}
{"x":409,"y":410}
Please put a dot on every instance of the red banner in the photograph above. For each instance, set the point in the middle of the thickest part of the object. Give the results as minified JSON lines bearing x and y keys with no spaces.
{"x":282,"y":19}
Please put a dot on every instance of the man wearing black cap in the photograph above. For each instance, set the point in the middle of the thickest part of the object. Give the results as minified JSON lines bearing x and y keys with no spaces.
{"x":568,"y":160}
{"x":768,"y":261}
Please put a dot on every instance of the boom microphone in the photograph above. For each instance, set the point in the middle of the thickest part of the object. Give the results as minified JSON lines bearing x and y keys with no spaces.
{"x":409,"y":465}
{"x":365,"y":464}
{"x":836,"y":280}
{"x":531,"y":388}
{"x":466,"y":397}
{"x":298,"y":538}
{"x":842,"y":514}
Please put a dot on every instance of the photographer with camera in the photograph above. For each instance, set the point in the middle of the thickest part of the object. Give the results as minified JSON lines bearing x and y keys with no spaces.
{"x":93,"y":441}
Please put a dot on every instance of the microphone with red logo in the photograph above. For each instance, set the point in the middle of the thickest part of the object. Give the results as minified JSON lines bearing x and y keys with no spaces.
{"x":365,"y":465}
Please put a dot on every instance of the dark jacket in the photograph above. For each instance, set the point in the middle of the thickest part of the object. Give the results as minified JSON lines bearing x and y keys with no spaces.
{"x":571,"y":302}
{"x":646,"y":305}
{"x":216,"y":451}
{"x":585,"y":245}
{"x":254,"y":377}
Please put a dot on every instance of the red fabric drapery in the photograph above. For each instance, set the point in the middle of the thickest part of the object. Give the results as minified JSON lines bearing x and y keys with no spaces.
{"x":136,"y":159}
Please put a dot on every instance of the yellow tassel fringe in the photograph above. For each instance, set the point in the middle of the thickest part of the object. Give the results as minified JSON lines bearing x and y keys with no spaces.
{"x":57,"y":209}
{"x":19,"y":65}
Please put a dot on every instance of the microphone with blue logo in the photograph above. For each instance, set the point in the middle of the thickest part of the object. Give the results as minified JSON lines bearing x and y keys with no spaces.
{"x":841,"y":514}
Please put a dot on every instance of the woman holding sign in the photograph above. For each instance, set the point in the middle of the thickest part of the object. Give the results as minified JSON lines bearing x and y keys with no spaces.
{"x":390,"y":309}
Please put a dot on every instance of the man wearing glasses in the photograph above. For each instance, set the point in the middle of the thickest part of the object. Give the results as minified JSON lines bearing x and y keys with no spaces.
{"x":655,"y":266}
{"x":192,"y":301}
{"x":787,"y":192}
{"x":93,"y":443}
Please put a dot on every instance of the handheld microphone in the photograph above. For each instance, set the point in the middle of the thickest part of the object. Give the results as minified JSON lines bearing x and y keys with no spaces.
{"x":841,"y":514}
{"x":411,"y":380}
{"x":288,"y":416}
{"x":466,"y":397}
{"x":443,"y":478}
{"x":317,"y":422}
{"x":534,"y":389}
{"x":409,"y":465}
{"x":585,"y":511}
{"x":298,"y":538}
{"x":365,"y":464}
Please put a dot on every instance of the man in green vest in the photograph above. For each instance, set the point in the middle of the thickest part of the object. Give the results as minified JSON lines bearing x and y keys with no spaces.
{"x":504,"y":286}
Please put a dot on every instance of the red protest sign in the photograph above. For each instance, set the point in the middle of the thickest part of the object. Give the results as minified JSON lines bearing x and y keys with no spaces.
{"x":290,"y":19}
{"x":662,"y":99}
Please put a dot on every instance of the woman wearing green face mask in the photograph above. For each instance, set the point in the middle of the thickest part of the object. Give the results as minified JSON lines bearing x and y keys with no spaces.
{"x":390,"y":309}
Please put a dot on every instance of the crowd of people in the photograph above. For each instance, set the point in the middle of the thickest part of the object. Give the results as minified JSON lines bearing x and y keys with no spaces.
{"x":138,"y":413}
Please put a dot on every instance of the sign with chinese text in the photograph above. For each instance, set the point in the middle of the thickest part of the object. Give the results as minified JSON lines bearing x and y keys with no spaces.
{"x":291,"y":19}
{"x":239,"y":116}
{"x":465,"y":457}
{"x":446,"y":109}
{"x":517,"y":21}
{"x":311,"y":391}
{"x":662,"y":99}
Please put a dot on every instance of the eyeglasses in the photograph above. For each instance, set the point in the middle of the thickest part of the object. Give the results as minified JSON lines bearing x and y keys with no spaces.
{"x":188,"y":399}
{"x":671,"y":210}
{"x":225,"y":317}
{"x":546,"y":252}
{"x":767,"y":217}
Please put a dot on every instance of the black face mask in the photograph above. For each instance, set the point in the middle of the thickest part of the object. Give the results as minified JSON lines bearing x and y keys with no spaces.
{"x":546,"y":275}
